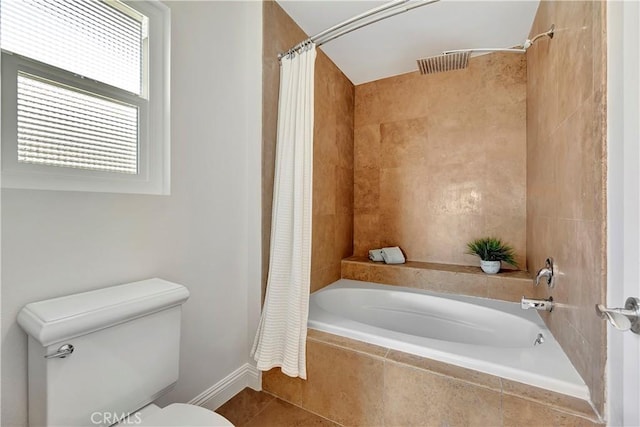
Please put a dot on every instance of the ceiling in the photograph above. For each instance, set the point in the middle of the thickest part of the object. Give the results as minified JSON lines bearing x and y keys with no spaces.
{"x":392,"y":46}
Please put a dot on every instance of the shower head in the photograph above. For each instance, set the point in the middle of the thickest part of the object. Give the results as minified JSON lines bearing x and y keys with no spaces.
{"x":459,"y":59}
{"x":444,"y":62}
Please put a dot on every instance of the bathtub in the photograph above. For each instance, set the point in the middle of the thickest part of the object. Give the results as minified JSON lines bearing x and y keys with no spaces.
{"x":490,"y":336}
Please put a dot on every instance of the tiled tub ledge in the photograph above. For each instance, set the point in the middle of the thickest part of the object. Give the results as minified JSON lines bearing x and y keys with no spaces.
{"x":507,"y":285}
{"x":359,"y":384}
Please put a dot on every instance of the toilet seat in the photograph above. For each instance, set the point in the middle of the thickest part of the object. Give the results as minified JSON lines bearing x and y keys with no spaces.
{"x":184,"y":415}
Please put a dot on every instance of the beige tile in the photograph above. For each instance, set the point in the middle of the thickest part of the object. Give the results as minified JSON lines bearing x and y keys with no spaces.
{"x":399,"y":230}
{"x":590,"y":129}
{"x":429,"y":137}
{"x":455,"y":283}
{"x":368,"y":108}
{"x":323,"y":241}
{"x":283,"y":386}
{"x":283,"y":414}
{"x":449,"y":138}
{"x":574,"y":40}
{"x":566,"y":146}
{"x":366,"y":233}
{"x":402,"y":191}
{"x":366,"y":192}
{"x":366,"y":141}
{"x":599,"y":22}
{"x":244,"y":406}
{"x":569,"y":170}
{"x":343,"y":385}
{"x":343,"y":242}
{"x":322,"y":277}
{"x":504,"y":189}
{"x":508,"y":289}
{"x":346,"y":343}
{"x":325,"y":177}
{"x":345,"y":140}
{"x":457,"y":372}
{"x":548,"y":398}
{"x":447,"y":278}
{"x":443,"y":238}
{"x":505,"y":77}
{"x":344,"y":191}
{"x":355,"y":270}
{"x":541,"y":179}
{"x":404,"y":96}
{"x":404,"y":143}
{"x":521,"y":412}
{"x":451,"y":182}
{"x":414,"y":397}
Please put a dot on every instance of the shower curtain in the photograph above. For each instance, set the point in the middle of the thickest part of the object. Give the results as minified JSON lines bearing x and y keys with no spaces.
{"x":282,"y":333}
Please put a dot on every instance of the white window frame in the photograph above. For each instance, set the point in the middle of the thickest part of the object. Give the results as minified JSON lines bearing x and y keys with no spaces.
{"x":154,"y":147}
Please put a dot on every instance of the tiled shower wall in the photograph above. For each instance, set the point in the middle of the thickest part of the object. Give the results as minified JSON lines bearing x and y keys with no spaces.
{"x":440,"y":159}
{"x":566,"y":205}
{"x":332,"y":237}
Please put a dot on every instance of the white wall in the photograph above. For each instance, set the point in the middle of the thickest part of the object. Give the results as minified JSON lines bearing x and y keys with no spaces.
{"x":623,"y":207}
{"x":206,"y":235}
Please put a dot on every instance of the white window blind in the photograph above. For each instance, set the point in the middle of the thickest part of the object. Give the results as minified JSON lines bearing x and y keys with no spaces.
{"x":59,"y":126}
{"x":85,"y":95}
{"x":100,"y":40}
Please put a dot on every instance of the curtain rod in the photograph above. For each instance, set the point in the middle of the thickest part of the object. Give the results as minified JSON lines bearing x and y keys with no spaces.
{"x":393,"y":8}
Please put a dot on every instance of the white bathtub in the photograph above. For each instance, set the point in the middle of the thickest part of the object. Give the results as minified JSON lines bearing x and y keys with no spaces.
{"x":490,"y":336}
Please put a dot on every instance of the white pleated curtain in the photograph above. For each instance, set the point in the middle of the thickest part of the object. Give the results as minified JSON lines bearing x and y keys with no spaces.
{"x":282,"y":333}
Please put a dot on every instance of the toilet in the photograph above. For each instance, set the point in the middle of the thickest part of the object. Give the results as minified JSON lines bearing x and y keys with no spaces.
{"x":101,"y":358}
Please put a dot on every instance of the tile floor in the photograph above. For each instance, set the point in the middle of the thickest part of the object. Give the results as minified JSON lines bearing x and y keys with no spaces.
{"x":251,"y":408}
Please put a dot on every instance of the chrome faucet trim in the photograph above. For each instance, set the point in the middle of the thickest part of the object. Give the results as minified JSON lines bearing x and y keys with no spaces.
{"x":547,"y":272}
{"x":538,"y":304}
{"x":625,"y":318}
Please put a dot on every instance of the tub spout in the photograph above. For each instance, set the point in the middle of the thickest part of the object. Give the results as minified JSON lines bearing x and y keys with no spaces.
{"x":538,"y":304}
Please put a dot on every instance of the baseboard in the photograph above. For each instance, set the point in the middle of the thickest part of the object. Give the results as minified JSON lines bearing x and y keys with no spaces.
{"x":215,"y":396}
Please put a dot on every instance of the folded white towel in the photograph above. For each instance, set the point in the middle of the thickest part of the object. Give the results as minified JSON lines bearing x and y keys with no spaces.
{"x":393,"y":255}
{"x":376,"y":255}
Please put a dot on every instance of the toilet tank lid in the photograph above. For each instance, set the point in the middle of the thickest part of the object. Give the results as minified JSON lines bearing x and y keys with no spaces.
{"x":57,"y":319}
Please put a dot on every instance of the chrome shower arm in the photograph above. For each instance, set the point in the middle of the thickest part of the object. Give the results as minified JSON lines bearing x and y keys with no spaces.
{"x":520,"y":49}
{"x":487,"y":49}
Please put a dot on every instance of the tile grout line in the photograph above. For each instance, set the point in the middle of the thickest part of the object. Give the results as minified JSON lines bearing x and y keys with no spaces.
{"x":343,"y":347}
{"x":501,"y":401}
{"x":261,"y":410}
{"x":301,"y":407}
{"x":446,"y":376}
{"x":384,"y":388}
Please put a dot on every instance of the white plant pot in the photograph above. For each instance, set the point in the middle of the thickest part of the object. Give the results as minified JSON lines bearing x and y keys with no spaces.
{"x":490,"y":267}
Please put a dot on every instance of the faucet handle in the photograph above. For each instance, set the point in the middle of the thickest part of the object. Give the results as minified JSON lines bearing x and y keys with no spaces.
{"x":546,"y":271}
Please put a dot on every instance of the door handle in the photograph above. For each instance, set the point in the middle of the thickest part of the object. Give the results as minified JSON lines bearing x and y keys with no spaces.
{"x":623,"y":319}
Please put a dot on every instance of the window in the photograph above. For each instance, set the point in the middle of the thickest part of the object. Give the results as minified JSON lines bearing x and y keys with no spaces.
{"x":85,"y":95}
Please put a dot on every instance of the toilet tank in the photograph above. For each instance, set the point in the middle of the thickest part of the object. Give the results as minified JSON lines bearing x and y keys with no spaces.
{"x":126,"y":342}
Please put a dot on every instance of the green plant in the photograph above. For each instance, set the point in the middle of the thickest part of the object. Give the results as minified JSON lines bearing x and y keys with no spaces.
{"x":492,"y":249}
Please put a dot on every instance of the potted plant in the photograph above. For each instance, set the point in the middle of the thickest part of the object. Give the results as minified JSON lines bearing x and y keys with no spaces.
{"x":492,"y":252}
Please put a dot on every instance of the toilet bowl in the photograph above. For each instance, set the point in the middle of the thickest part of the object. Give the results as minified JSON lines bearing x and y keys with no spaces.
{"x":98,"y":356}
